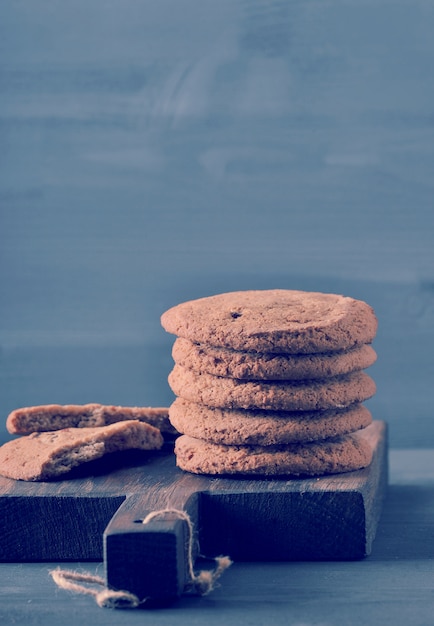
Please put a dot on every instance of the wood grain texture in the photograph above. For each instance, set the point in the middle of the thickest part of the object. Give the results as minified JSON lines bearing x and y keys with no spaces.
{"x":65,"y":520}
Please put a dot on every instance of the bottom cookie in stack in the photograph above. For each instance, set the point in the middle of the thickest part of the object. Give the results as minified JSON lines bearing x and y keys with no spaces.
{"x":341,"y":454}
{"x":238,"y":441}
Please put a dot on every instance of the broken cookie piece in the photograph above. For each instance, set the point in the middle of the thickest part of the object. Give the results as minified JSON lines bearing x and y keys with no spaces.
{"x":46,"y":455}
{"x":47,"y":417}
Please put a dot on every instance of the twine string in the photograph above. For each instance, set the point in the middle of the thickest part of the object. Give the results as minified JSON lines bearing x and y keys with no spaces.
{"x":204,"y":581}
{"x":105,"y":598}
{"x":200,"y":583}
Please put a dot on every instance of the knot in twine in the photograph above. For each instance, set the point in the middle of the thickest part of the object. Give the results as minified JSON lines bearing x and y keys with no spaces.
{"x":200,"y":583}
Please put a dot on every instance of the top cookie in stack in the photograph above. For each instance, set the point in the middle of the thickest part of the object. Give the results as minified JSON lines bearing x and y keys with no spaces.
{"x":271,"y":382}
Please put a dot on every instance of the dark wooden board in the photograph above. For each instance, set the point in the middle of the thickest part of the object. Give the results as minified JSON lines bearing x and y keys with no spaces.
{"x":96,"y":513}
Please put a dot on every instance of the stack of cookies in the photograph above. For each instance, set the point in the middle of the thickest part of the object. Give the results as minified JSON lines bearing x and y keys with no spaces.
{"x":271,"y":383}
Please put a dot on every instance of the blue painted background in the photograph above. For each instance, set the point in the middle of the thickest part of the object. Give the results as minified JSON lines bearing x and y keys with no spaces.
{"x":159,"y":150}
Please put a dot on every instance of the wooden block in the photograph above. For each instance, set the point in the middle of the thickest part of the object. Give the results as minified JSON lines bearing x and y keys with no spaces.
{"x":329,"y":518}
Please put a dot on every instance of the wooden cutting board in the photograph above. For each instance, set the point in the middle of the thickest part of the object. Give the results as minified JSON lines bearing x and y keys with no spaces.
{"x":97,"y":513}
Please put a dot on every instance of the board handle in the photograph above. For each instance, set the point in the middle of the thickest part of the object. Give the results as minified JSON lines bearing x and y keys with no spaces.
{"x":152,"y":560}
